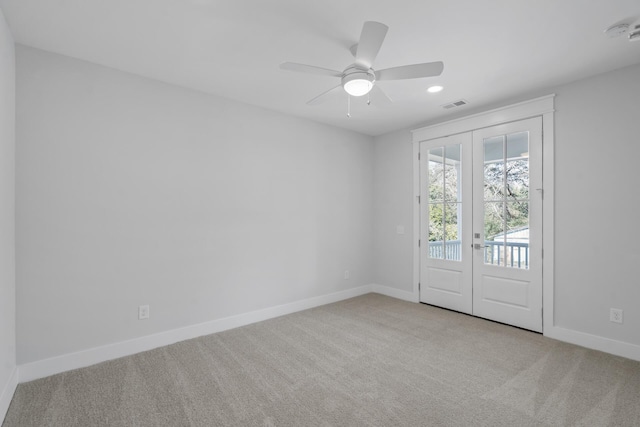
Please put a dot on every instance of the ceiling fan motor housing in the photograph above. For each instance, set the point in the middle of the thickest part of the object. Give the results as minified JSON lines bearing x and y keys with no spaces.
{"x":358,"y":82}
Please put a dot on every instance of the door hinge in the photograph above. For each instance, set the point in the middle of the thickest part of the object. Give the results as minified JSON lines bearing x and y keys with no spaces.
{"x":419,"y":286}
{"x":542,"y":253}
{"x":418,"y":242}
{"x":418,"y":199}
{"x":418,"y":155}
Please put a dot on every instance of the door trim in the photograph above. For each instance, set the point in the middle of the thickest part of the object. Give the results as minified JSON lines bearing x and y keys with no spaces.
{"x":543,"y":107}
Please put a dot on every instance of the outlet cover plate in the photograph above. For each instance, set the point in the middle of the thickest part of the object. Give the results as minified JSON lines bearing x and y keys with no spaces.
{"x":143,"y":312}
{"x":615,"y":315}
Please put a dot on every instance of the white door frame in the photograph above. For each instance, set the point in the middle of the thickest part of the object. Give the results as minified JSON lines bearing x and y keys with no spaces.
{"x":538,"y":107}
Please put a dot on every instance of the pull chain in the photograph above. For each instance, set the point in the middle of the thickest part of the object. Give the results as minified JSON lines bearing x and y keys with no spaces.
{"x":369,"y":98}
{"x":348,"y":106}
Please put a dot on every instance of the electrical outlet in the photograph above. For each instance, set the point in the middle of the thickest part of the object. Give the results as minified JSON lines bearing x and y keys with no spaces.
{"x":400,"y":229}
{"x":143,"y":312}
{"x":615,"y":315}
{"x":347,"y":275}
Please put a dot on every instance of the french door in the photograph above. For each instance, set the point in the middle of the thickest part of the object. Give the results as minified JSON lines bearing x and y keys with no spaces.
{"x":481,"y":223}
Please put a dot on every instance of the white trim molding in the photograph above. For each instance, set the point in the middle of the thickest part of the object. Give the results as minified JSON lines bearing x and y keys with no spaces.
{"x":548,"y":222}
{"x":7,"y":394}
{"x":416,"y":222}
{"x":607,"y":345}
{"x":394,"y":293}
{"x":66,"y":362}
{"x":510,"y":113}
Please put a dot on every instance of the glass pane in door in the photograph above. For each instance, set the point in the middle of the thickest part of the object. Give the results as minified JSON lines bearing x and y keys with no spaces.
{"x":493,"y":227}
{"x":517,"y":235}
{"x":506,"y":200}
{"x":435,"y":174}
{"x":445,"y":202}
{"x":436,"y":230}
{"x":493,"y":168}
{"x":451,"y":173}
{"x":517,"y":169}
{"x":451,"y":236}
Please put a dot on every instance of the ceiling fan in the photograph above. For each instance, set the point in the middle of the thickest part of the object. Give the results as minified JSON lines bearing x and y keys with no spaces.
{"x":359,"y":79}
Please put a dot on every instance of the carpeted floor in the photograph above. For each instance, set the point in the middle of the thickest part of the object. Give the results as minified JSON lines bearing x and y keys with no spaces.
{"x":367,"y":361}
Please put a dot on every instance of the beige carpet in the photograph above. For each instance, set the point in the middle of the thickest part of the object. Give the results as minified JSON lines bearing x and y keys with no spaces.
{"x":370,"y":361}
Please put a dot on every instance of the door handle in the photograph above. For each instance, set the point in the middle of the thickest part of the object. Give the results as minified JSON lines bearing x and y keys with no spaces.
{"x":478,"y":246}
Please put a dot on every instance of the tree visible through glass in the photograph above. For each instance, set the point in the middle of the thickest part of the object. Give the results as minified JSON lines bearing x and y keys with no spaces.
{"x":506,"y":200}
{"x":445,"y":202}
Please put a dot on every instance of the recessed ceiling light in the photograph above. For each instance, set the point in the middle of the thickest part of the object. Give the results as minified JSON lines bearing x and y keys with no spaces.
{"x":435,"y":89}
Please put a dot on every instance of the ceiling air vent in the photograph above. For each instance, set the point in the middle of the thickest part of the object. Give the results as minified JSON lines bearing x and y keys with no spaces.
{"x":454,"y":104}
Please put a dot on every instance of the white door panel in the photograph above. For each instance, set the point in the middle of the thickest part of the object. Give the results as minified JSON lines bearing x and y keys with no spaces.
{"x":446,"y":266}
{"x":481,"y":223}
{"x":507,"y":193}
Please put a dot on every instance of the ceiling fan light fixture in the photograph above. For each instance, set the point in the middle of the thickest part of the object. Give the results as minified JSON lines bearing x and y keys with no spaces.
{"x":358,"y":82}
{"x":358,"y":87}
{"x":359,"y":78}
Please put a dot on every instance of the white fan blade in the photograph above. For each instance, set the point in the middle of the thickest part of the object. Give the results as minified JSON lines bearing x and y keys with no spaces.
{"x":323,"y":96}
{"x":379,"y":97}
{"x":371,"y":38}
{"x":415,"y":71}
{"x":303,"y":68}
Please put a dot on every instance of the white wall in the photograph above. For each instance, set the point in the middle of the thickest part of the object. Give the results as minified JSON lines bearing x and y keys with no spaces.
{"x":597,"y":128}
{"x":597,"y":203}
{"x":393,"y":252}
{"x":131,"y":191}
{"x":7,"y":218}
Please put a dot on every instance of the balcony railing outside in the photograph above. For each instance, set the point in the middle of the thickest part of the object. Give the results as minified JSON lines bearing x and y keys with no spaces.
{"x":515,"y":254}
{"x":451,"y":251}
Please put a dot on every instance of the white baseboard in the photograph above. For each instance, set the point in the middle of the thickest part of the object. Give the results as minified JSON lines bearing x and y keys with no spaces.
{"x":607,"y":345}
{"x":394,"y":293}
{"x":7,"y":394}
{"x":67,"y":362}
{"x":619,"y":348}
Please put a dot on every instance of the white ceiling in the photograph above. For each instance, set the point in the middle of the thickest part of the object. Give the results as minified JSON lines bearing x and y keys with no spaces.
{"x":492,"y":50}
